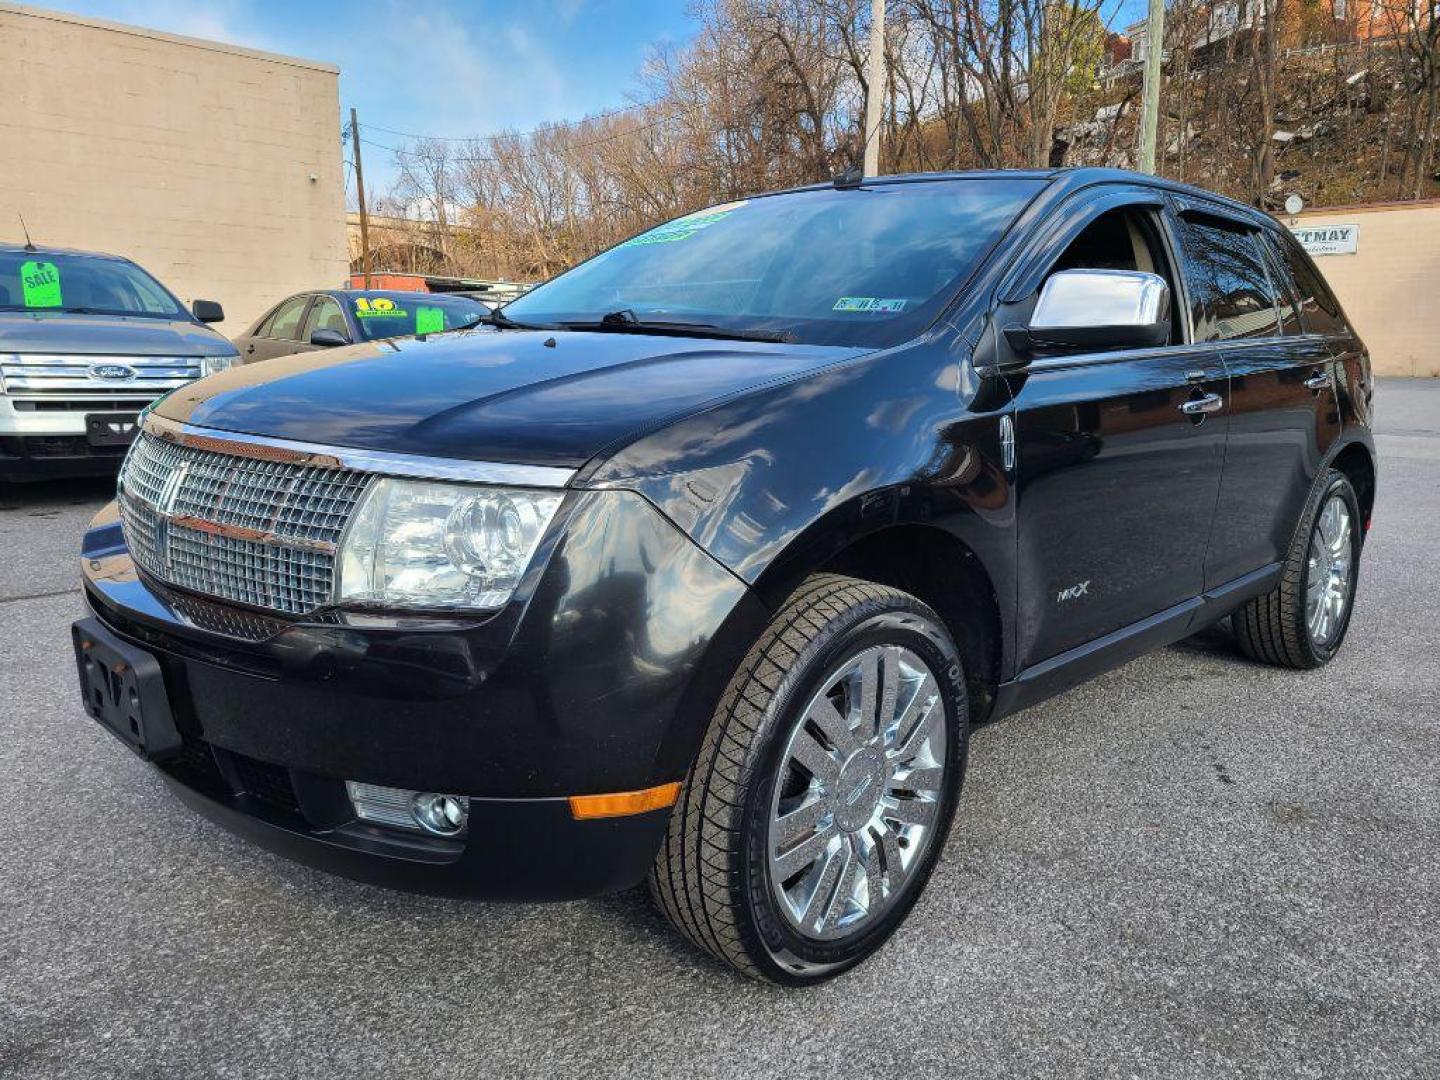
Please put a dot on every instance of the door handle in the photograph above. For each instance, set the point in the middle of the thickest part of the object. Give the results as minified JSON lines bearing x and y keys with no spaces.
{"x":1321,"y":380}
{"x":1207,"y":404}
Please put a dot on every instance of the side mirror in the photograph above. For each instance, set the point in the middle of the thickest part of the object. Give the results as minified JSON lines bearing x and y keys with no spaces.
{"x":1097,"y":309}
{"x":328,"y":338}
{"x":207,"y":311}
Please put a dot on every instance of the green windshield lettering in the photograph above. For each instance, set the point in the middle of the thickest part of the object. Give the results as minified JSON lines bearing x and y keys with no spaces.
{"x":674,"y":231}
{"x":40,"y":282}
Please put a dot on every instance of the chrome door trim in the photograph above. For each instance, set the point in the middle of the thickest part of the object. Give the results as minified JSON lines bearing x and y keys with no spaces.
{"x":1199,"y":348}
{"x":1119,"y":356}
{"x":376,"y":462}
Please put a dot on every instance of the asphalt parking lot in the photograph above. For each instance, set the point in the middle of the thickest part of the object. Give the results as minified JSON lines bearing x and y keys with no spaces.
{"x":1193,"y":867}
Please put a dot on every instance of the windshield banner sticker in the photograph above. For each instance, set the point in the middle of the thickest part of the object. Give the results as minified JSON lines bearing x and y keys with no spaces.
{"x":868,"y":303}
{"x":685,"y":227}
{"x":40,"y":282}
{"x":380,"y":306}
{"x":429,"y":320}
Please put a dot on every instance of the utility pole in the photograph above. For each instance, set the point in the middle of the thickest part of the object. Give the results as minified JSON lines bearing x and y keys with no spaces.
{"x":360,"y":184}
{"x":1150,"y":90}
{"x":875,"y":96}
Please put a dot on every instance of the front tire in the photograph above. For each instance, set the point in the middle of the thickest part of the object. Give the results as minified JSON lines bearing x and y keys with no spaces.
{"x":824,"y":788}
{"x":1302,"y":622}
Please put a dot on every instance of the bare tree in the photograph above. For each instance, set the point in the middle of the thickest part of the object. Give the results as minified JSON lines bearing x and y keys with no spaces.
{"x":1266,"y":54}
{"x":770,"y":93}
{"x":426,"y":184}
{"x":1415,"y":26}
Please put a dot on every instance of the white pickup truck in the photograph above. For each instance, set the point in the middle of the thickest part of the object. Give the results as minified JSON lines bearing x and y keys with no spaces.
{"x":86,"y":342}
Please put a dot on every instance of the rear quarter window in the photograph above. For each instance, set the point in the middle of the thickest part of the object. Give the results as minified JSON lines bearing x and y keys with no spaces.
{"x":1319,"y":310}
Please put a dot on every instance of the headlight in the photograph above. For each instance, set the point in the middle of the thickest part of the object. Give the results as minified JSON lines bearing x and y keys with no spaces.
{"x":209,"y":365}
{"x":429,"y":545}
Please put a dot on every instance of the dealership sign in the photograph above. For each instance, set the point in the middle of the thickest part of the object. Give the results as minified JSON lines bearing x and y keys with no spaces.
{"x":1328,"y":239}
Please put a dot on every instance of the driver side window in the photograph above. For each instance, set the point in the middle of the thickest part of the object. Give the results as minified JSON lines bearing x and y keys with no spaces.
{"x":325,"y":315}
{"x":1127,"y":238}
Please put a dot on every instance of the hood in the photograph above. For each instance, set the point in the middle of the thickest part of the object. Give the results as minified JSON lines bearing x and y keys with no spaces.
{"x":528,"y":397}
{"x":107,"y":335}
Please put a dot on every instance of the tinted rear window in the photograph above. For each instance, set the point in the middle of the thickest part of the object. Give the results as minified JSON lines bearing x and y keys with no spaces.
{"x":1319,"y":310}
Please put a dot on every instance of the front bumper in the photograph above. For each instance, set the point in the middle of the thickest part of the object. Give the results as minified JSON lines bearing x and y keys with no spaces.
{"x":514,"y":849}
{"x":598,"y":677}
{"x":40,"y":457}
{"x":39,"y":443}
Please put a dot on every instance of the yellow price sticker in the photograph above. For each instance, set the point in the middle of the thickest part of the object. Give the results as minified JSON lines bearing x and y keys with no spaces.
{"x":379,"y":306}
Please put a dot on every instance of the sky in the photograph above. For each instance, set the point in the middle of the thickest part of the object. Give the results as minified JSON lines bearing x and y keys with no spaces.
{"x":449,"y":67}
{"x":442,"y":67}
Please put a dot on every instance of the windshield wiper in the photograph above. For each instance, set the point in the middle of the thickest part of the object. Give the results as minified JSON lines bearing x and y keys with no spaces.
{"x":499,"y":319}
{"x":626,"y":321}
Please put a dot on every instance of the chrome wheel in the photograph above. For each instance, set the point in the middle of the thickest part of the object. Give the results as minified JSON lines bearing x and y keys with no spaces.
{"x":859,"y":793}
{"x":1327,"y":574}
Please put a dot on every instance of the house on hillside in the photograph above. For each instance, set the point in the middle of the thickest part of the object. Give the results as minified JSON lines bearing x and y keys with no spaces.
{"x":1212,"y":32}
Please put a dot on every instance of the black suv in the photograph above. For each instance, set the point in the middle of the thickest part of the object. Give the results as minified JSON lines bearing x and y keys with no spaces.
{"x":700,"y":561}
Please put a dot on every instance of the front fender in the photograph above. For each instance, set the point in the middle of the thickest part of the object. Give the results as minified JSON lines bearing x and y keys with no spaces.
{"x":774,"y":484}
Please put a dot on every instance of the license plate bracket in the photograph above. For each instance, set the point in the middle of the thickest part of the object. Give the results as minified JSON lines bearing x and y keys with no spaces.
{"x":123,"y":689}
{"x":111,"y":428}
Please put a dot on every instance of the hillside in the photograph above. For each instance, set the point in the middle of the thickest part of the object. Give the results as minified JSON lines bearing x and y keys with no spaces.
{"x":1338,"y":136}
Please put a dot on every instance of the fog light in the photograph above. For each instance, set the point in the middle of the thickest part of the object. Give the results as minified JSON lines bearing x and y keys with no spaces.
{"x":415,"y":811}
{"x":443,"y":815}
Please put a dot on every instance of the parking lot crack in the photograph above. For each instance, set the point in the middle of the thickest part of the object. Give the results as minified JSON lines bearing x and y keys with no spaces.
{"x":37,"y":595}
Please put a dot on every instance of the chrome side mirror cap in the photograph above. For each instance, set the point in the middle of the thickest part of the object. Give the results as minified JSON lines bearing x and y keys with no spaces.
{"x":1097,"y":309}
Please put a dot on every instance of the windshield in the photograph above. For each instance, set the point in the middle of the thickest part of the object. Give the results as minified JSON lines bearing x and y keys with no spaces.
{"x":400,"y":314}
{"x":52,"y":281}
{"x":869,"y":266}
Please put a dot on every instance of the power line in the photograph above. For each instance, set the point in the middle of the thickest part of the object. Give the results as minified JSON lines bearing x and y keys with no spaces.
{"x":405,"y":152}
{"x":382,"y":146}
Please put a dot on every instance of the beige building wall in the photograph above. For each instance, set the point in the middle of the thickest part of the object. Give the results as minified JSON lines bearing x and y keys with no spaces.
{"x":1390,"y":288}
{"x":216,"y":168}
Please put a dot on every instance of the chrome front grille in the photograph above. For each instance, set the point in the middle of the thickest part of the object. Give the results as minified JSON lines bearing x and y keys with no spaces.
{"x":255,"y":530}
{"x":41,"y":376}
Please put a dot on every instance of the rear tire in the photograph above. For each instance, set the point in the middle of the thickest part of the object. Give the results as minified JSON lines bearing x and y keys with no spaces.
{"x":824,"y":788}
{"x":1302,"y":622}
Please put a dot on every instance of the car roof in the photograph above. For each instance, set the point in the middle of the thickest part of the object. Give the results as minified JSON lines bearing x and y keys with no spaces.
{"x":1067,"y":179}
{"x":351,"y":294}
{"x":15,"y":247}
